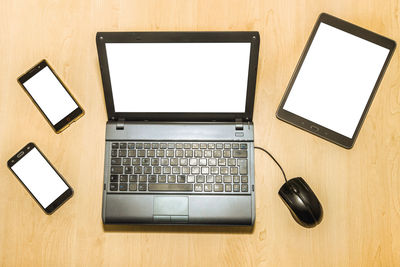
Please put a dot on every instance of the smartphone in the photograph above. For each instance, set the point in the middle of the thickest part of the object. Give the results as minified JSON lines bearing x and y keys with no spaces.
{"x":40,"y":178}
{"x":51,"y":96}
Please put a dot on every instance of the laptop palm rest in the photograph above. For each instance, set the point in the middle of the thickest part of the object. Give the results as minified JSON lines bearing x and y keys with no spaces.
{"x":170,"y":209}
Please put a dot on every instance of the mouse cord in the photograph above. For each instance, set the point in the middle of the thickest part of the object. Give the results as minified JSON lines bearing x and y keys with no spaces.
{"x":269,"y":154}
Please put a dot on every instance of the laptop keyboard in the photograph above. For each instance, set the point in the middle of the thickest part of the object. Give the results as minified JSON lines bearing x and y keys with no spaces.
{"x":211,"y":168}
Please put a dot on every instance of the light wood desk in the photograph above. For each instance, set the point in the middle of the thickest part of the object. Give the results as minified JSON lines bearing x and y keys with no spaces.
{"x":359,"y":188}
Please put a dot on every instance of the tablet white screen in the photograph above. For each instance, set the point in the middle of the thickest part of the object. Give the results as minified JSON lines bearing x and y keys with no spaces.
{"x":336,"y":80}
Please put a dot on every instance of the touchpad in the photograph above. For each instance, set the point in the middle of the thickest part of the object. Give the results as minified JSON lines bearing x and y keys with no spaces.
{"x":171,"y":205}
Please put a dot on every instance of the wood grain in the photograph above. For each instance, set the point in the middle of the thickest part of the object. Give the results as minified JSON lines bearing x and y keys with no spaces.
{"x":359,"y":188}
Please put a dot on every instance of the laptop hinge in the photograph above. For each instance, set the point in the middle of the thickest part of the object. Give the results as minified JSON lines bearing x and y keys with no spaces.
{"x":238,"y":124}
{"x":120,"y":124}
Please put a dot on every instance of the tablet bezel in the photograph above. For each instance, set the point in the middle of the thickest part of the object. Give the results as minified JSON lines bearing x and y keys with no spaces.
{"x":315,"y":128}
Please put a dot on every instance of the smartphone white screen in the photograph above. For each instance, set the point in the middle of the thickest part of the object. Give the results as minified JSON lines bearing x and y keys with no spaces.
{"x":50,"y":95}
{"x":39,"y":177}
{"x":336,"y":79}
{"x":179,"y":77}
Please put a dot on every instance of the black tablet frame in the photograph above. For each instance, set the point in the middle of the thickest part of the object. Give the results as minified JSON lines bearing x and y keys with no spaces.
{"x":315,"y":128}
{"x":251,"y":37}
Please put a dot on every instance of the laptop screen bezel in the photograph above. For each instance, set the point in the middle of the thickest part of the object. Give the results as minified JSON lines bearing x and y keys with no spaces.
{"x":178,"y":37}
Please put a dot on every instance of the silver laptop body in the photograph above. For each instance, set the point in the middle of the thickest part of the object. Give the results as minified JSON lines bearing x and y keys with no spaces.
{"x":179,"y":138}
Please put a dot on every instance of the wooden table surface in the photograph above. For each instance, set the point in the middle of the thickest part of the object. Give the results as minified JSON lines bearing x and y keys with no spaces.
{"x":359,"y":188}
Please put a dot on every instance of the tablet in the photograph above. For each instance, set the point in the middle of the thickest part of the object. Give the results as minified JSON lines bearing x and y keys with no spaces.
{"x":335,"y":80}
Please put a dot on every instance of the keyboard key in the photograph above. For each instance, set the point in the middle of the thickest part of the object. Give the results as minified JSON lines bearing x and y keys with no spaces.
{"x":239,"y":153}
{"x":141,"y":153}
{"x":200,"y":179}
{"x":145,"y":161}
{"x":133,"y":178}
{"x":203,"y":162}
{"x":137,"y":170}
{"x":115,"y":161}
{"x":167,"y":170}
{"x":181,"y":178}
{"x":142,"y":178}
{"x":236,"y":179}
{"x":188,"y":153}
{"x":214,"y":170}
{"x":242,"y":163}
{"x":212,"y":162}
{"x":122,"y":153}
{"x":131,"y":153}
{"x":227,"y":146}
{"x":131,"y":145}
{"x":243,"y":146}
{"x":142,"y":187}
{"x":227,"y":179}
{"x":245,"y":188}
{"x":203,"y":145}
{"x":155,"y":145}
{"x":123,"y":178}
{"x":221,"y":162}
{"x":193,"y":162}
{"x":170,"y":153}
{"x":126,"y":161}
{"x":195,"y":170}
{"x":123,"y":186}
{"x":152,"y":178}
{"x":139,"y":145}
{"x":219,"y":146}
{"x":228,"y":188}
{"x":163,"y":145}
{"x":236,"y":188}
{"x":176,"y":170}
{"x":162,"y":178}
{"x":245,"y":179}
{"x":234,"y":170}
{"x":114,"y":145}
{"x":117,"y":169}
{"x":171,"y":145}
{"x":217,"y":153}
{"x":195,"y":146}
{"x":151,"y":153}
{"x":187,"y":146}
{"x":224,"y":170}
{"x":155,"y":161}
{"x":231,"y":162}
{"x":204,"y":170}
{"x":198,"y":153}
{"x":210,"y":179}
{"x":207,"y":188}
{"x":171,"y":187}
{"x":198,"y":187}
{"x":148,"y":170}
{"x":113,"y":186}
{"x":132,"y":187}
{"x":218,"y":178}
{"x":160,"y":153}
{"x":122,"y":145}
{"x":179,"y":153}
{"x":218,"y":188}
{"x":147,"y":146}
{"x":185,"y":170}
{"x":114,"y":153}
{"x":179,"y":146}
{"x":173,"y":162}
{"x":157,"y":170}
{"x":207,"y":154}
{"x":114,"y":178}
{"x":211,"y":146}
{"x":136,"y":161}
{"x":164,"y":162}
{"x":235,"y":146}
{"x":190,"y":178}
{"x":227,"y":153}
{"x":183,"y":162}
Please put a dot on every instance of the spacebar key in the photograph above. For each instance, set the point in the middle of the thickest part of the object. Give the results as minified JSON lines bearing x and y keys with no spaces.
{"x":170,"y":187}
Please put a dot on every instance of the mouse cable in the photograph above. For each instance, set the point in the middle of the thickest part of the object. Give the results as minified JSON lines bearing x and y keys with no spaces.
{"x":269,"y":154}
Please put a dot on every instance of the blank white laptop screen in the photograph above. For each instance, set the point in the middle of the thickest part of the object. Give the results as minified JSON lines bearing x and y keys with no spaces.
{"x":39,"y":177}
{"x":336,"y":80}
{"x":179,"y":77}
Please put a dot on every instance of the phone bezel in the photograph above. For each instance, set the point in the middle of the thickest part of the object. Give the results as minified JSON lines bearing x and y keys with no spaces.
{"x":67,"y":120}
{"x":57,"y":202}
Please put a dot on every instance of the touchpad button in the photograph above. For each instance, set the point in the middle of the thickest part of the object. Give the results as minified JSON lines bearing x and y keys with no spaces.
{"x":171,"y":205}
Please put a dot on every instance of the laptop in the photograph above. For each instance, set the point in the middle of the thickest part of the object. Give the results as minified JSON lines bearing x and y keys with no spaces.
{"x":179,"y":145}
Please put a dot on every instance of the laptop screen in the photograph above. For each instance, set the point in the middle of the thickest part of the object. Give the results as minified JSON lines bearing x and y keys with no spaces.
{"x":179,"y":77}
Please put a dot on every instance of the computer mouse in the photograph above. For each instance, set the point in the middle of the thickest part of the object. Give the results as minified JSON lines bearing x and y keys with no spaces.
{"x":302,"y":202}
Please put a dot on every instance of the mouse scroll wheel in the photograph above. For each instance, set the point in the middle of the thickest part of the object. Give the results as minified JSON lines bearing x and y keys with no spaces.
{"x":294,"y":189}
